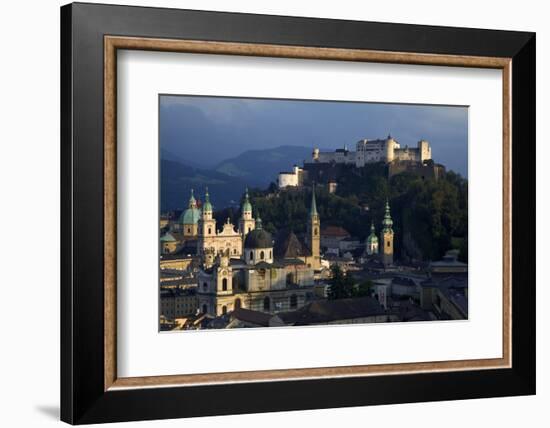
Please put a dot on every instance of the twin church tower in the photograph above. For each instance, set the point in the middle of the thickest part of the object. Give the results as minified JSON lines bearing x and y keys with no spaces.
{"x":201,"y":225}
{"x":386,"y":252}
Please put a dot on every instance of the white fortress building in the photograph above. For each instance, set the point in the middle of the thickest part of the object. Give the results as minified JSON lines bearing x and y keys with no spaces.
{"x":381,"y":150}
{"x":292,"y":178}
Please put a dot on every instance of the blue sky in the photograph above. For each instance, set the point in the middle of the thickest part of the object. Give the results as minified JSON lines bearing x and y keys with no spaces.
{"x":204,"y":131}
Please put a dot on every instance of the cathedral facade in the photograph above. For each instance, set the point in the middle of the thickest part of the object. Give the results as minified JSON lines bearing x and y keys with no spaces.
{"x":240,"y":268}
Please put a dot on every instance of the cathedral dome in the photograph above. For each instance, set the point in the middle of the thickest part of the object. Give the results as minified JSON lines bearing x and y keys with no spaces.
{"x":192,"y":213}
{"x":258,"y":238}
{"x":190,"y":216}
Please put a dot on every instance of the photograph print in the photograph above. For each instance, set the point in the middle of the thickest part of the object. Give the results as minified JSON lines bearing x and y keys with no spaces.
{"x":294,"y":213}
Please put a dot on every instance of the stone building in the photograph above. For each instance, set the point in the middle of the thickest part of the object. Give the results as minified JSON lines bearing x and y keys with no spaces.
{"x":252,"y":277}
{"x":212,"y":241}
{"x":380,"y":150}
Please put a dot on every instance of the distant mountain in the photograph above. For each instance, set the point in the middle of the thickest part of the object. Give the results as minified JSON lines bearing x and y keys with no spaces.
{"x":170,"y":156}
{"x":261,"y":167}
{"x":178,"y":179}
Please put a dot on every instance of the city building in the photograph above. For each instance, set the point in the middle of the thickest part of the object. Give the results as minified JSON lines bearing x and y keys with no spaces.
{"x":255,"y":278}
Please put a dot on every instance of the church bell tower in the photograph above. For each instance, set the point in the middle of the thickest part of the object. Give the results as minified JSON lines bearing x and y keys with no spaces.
{"x":246,"y":223}
{"x":314,"y":232}
{"x":387,"y":237}
{"x":207,"y":225}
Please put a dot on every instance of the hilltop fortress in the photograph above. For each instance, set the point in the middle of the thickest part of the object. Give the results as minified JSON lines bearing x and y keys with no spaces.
{"x":381,"y":150}
{"x":325,"y":167}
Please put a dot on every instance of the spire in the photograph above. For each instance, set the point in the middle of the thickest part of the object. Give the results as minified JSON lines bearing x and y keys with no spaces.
{"x":258,"y":222}
{"x":247,"y":206}
{"x":207,"y":206}
{"x":192,"y":201}
{"x":387,"y":222}
{"x":313,"y":209}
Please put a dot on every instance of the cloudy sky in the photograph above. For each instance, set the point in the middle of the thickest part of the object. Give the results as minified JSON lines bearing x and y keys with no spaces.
{"x":204,"y":131}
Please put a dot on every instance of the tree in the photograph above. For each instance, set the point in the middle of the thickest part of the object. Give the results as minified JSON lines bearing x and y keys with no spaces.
{"x":363,"y":289}
{"x":341,"y":285}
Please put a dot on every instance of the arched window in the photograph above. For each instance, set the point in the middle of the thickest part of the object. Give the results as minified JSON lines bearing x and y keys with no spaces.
{"x":204,"y":308}
{"x":389,"y":243}
{"x":188,"y":230}
{"x":249,"y":228}
{"x":293,"y":301}
{"x":289,"y":278}
{"x":267,"y":304}
{"x":315,"y":231}
{"x":209,"y":230}
{"x":204,"y":286}
{"x":234,"y":251}
{"x":261,"y":255}
{"x":237,"y":303}
{"x":224,"y":310}
{"x":224,"y":284}
{"x":252,"y":255}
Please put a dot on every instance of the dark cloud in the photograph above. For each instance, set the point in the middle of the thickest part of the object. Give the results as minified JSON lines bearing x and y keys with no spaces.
{"x":208,"y":130}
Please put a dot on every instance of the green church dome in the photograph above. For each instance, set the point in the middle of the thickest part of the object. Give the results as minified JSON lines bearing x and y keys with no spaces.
{"x":372,"y":239}
{"x":167,"y":238}
{"x":247,"y":206}
{"x":258,"y":238}
{"x":190,"y":215}
{"x":207,"y":206}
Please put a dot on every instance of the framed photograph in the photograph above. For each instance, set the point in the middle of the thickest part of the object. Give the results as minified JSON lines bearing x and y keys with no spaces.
{"x":266,"y":213}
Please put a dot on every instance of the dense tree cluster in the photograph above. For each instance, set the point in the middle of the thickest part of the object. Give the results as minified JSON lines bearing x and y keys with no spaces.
{"x":430,"y":216}
{"x":342,"y":285}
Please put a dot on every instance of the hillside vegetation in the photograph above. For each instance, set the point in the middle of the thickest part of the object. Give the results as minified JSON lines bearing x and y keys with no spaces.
{"x":430,"y":217}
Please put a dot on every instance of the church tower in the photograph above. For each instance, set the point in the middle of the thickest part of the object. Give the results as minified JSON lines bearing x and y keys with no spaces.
{"x":246,"y":222}
{"x":387,"y":237}
{"x":314,"y":232}
{"x":207,"y":224}
{"x":372,"y":242}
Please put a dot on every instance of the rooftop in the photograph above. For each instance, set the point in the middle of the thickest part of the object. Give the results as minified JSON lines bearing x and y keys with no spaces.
{"x":324,"y":311}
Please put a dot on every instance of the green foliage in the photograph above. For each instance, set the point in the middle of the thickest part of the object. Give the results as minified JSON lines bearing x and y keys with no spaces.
{"x":341,"y":285}
{"x":363,"y":289}
{"x":430,"y":216}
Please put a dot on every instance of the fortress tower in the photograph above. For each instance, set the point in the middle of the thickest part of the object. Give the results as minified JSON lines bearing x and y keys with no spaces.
{"x":387,"y":237}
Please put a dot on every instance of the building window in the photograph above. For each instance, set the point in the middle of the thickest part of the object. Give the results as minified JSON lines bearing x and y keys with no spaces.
{"x":252,"y":255}
{"x":315,"y":231}
{"x":204,"y":286}
{"x":188,"y":230}
{"x":209,"y":230}
{"x":224,"y":284}
{"x":249,"y":228}
{"x":237,"y":303}
{"x":293,"y":301}
{"x":204,"y":308}
{"x":261,"y":255}
{"x":389,"y":244}
{"x":224,"y":310}
{"x":289,"y":278}
{"x":234,"y":251}
{"x":267,"y":304}
{"x":270,"y":254}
